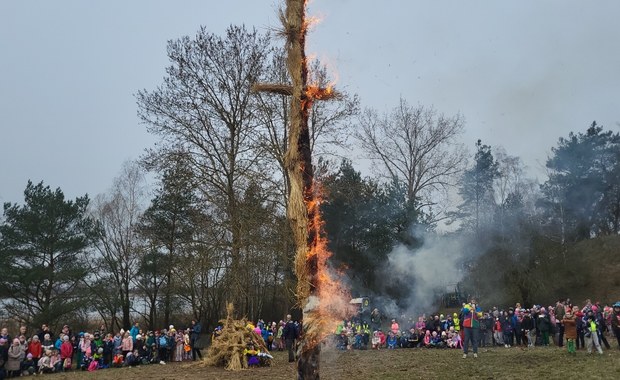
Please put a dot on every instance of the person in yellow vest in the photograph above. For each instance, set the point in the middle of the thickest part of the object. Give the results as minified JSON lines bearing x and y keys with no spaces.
{"x":591,"y":335}
{"x":458,"y":324}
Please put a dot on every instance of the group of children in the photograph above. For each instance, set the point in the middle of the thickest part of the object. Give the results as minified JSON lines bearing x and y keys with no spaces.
{"x":46,"y":353}
{"x":438,"y":332}
{"x":40,"y":354}
{"x":516,"y":326}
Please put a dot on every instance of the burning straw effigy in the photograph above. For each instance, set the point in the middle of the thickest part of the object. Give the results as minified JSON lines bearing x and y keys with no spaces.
{"x":228,"y":350}
{"x":321,"y":298}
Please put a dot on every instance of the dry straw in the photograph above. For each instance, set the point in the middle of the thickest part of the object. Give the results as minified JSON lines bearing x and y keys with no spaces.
{"x":227,"y":349}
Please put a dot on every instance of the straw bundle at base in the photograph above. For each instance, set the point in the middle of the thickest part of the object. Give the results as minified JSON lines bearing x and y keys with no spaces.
{"x":227,"y":350}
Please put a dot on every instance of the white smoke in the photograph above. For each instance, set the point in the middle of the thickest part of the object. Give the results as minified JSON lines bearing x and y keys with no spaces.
{"x":431,"y":270}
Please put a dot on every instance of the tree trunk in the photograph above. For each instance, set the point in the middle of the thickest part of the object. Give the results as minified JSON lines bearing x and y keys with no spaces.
{"x":167,"y":297}
{"x":126,"y":306}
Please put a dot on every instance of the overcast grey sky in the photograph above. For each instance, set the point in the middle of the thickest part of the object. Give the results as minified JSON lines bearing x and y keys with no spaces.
{"x":523,"y":73}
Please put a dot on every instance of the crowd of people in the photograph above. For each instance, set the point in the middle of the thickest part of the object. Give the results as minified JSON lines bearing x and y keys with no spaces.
{"x":23,"y":354}
{"x":586,"y":327}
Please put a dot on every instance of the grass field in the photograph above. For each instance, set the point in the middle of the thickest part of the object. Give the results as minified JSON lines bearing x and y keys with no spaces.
{"x":495,"y":363}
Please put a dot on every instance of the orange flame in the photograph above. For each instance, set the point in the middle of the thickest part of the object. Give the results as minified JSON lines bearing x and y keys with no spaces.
{"x":334,"y":297}
{"x":316,"y":92}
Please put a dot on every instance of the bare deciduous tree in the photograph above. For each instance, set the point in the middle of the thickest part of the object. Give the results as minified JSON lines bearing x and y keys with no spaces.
{"x":118,"y":213}
{"x":414,"y":145}
{"x":205,"y":112}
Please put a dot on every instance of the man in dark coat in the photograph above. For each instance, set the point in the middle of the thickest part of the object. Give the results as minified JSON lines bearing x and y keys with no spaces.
{"x":4,"y":357}
{"x":195,"y":331}
{"x":290,"y":333}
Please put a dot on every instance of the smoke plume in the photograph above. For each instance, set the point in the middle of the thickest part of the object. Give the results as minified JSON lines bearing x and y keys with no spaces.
{"x":428,"y":271}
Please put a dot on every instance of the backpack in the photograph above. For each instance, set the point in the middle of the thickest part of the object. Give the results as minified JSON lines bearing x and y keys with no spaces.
{"x":92,"y":366}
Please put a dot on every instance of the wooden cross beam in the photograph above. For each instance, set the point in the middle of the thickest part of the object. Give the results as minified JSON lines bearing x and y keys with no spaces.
{"x":312,"y":92}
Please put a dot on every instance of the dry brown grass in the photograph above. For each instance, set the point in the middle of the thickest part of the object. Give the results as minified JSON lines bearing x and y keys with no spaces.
{"x":496,"y":363}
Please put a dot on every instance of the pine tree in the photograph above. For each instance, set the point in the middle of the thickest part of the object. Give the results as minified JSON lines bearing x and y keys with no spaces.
{"x":43,"y":247}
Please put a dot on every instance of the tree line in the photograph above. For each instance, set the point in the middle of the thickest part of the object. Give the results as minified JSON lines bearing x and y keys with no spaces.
{"x":214,"y":228}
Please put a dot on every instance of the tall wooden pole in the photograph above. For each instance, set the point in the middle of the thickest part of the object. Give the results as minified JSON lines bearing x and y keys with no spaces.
{"x":303,"y":207}
{"x":299,"y":166}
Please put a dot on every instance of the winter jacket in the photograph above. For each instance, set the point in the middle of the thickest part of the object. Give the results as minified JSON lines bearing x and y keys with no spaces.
{"x":15,"y":355}
{"x":497,"y":326}
{"x":150,"y":340}
{"x":579,"y":323}
{"x":391,"y":341}
{"x":127,"y":344}
{"x":86,"y":347}
{"x":600,"y":320}
{"x":290,"y":331}
{"x":427,"y":339}
{"x":457,"y":322}
{"x":471,"y":316}
{"x":430,"y":325}
{"x":570,"y":327}
{"x":195,"y":332}
{"x":35,"y":349}
{"x":139,"y":344}
{"x":47,"y":344}
{"x":45,"y":362}
{"x":507,"y":327}
{"x":559,"y":312}
{"x":117,"y":344}
{"x":133,"y":333}
{"x":395,"y":328}
{"x":4,"y":357}
{"x":527,"y":323}
{"x":615,"y":323}
{"x":66,"y":350}
{"x":108,"y":346}
{"x":544,"y":323}
{"x":447,"y":324}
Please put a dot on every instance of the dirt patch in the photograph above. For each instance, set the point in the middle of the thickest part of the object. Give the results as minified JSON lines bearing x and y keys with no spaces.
{"x":496,"y":363}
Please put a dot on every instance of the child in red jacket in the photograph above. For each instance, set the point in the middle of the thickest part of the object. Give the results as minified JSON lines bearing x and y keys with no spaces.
{"x":35,"y":348}
{"x":66,"y":352}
